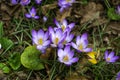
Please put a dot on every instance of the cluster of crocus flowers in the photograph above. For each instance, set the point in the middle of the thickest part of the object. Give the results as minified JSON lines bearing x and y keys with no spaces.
{"x":40,"y":39}
{"x":61,"y":38}
{"x":32,"y":14}
{"x":22,"y":2}
{"x":110,"y":58}
{"x":64,"y":4}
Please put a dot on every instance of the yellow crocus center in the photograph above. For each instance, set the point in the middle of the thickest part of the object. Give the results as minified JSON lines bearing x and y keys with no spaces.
{"x":33,"y":15}
{"x":67,"y":0}
{"x":40,"y":41}
{"x":66,"y":59}
{"x":63,"y":27}
{"x":80,"y":47}
{"x":108,"y":59}
{"x":56,"y":41}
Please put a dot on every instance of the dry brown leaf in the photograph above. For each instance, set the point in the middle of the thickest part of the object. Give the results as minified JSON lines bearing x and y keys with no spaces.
{"x":48,"y":7}
{"x":93,"y":13}
{"x":63,"y":15}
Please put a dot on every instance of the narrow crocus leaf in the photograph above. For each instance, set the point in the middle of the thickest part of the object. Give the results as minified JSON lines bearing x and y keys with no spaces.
{"x":30,"y":58}
{"x":1,"y":29}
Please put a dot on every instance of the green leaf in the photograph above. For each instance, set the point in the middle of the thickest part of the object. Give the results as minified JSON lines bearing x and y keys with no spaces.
{"x":14,"y":61}
{"x":84,"y":2}
{"x":4,"y":68}
{"x":2,"y":65}
{"x":1,"y":29}
{"x":112,"y":15}
{"x":30,"y":58}
{"x":6,"y":43}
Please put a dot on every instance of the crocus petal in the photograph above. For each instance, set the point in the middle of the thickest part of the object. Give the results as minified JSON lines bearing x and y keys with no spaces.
{"x":24,"y":2}
{"x":57,"y":23}
{"x":106,"y":54}
{"x":71,"y":25}
{"x":73,"y":60}
{"x":84,"y":37}
{"x":60,"y":53}
{"x":36,"y":17}
{"x":87,"y":49}
{"x":59,"y":33}
{"x":35,"y":40}
{"x":118,"y":76}
{"x":111,"y":54}
{"x":93,"y":61}
{"x":63,"y":37}
{"x":114,"y":59}
{"x":46,"y":35}
{"x":28,"y":16}
{"x":39,"y":47}
{"x":40,"y":34}
{"x":45,"y":18}
{"x":71,"y":37}
{"x":85,"y":43}
{"x":67,"y":49}
{"x":46,"y":43}
{"x":33,"y":11}
{"x":34,"y":34}
{"x":60,"y":45}
{"x":38,"y":1}
{"x":53,"y":45}
{"x":61,"y":9}
{"x":51,"y":31}
{"x":71,"y":54}
{"x":64,"y":22}
{"x":0,"y":46}
{"x":78,"y":40}
{"x":74,"y":45}
{"x":14,"y":2}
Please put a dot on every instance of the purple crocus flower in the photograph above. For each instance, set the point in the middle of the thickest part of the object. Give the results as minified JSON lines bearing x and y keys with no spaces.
{"x":44,"y":18}
{"x":66,"y":56}
{"x":118,"y":9}
{"x":24,"y":2}
{"x":64,"y":4}
{"x":40,"y":39}
{"x":110,"y":57}
{"x":14,"y":2}
{"x":32,"y":14}
{"x":38,"y":1}
{"x":118,"y":76}
{"x":57,"y":37}
{"x":81,"y":43}
{"x":64,"y":24}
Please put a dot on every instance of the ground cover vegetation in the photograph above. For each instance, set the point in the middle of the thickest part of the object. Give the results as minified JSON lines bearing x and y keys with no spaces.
{"x":60,"y":40}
